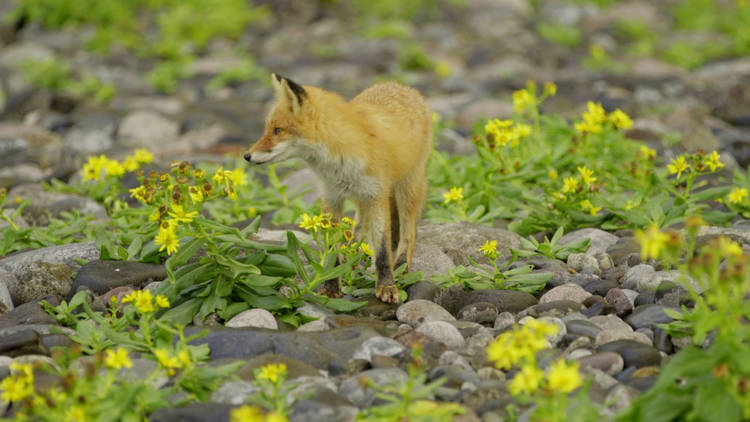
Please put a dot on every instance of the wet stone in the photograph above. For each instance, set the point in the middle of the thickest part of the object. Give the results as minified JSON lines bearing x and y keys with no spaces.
{"x":601,"y":287}
{"x":648,"y":316}
{"x":633,"y":353}
{"x":101,"y":276}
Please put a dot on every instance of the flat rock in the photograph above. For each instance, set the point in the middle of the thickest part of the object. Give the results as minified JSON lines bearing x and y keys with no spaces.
{"x":353,"y":390}
{"x":455,"y":298}
{"x":442,"y":332}
{"x":143,"y":128}
{"x":633,"y":353}
{"x":600,"y":240}
{"x":462,"y":240}
{"x":647,"y":316}
{"x":61,"y":254}
{"x":430,"y":259}
{"x":418,"y":311}
{"x":378,"y":346}
{"x":610,"y":363}
{"x":6,"y":279}
{"x":571,"y":292}
{"x":258,"y":318}
{"x":27,"y":313}
{"x":39,"y":279}
{"x":102,"y":276}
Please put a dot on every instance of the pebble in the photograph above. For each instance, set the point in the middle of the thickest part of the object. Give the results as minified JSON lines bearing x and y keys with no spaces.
{"x":353,"y":389}
{"x":647,"y":316}
{"x":634,"y":353}
{"x":583,"y":263}
{"x":504,"y":320}
{"x":442,"y":332}
{"x":608,"y":362}
{"x":419,"y":311}
{"x":259,"y":318}
{"x":382,"y":346}
{"x":569,"y":292}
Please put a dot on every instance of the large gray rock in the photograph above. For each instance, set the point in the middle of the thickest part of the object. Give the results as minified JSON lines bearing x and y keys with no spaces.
{"x":143,"y":128}
{"x":442,"y":332}
{"x":6,"y":279}
{"x":38,"y":279}
{"x":430,"y":259}
{"x":102,"y":276}
{"x":68,"y":255}
{"x":600,"y":240}
{"x":462,"y":240}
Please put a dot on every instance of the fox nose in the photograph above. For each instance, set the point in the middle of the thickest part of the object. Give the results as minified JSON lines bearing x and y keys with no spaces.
{"x":247,"y":157}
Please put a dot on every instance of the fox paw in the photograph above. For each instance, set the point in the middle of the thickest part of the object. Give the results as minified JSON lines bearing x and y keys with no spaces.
{"x":387,"y":293}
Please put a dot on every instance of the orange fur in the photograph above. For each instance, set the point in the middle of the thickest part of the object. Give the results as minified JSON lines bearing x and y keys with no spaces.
{"x":372,"y":149}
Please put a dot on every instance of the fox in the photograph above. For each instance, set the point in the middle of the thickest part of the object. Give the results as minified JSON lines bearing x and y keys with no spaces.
{"x":372,"y":149}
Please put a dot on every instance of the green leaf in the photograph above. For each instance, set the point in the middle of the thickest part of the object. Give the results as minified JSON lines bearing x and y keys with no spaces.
{"x":278,"y":265}
{"x":292,"y":244}
{"x":135,"y":247}
{"x":237,"y":268}
{"x":183,"y":313}
{"x":341,"y":305}
{"x":183,"y":254}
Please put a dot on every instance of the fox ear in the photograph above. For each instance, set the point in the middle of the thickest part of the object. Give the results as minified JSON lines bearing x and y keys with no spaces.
{"x":289,"y":92}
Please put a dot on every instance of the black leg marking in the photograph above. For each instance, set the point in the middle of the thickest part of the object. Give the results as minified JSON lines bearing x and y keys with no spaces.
{"x":382,"y":266}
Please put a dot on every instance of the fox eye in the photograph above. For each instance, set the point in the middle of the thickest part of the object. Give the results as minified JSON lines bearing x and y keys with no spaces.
{"x":276,"y":130}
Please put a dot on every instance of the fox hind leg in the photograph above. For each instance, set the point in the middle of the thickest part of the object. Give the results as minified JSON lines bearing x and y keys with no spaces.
{"x":380,"y":232}
{"x":410,"y":195}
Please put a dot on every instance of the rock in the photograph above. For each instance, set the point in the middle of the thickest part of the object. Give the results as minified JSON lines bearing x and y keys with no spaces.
{"x":312,"y":326}
{"x":318,"y":349}
{"x":610,"y":323}
{"x":68,"y":255}
{"x":600,"y":240}
{"x":462,"y":240}
{"x":27,"y":313}
{"x":647,"y":316}
{"x":485,"y":108}
{"x":294,"y":367}
{"x":6,"y":279}
{"x":143,"y":128}
{"x":620,"y":300}
{"x":258,"y":318}
{"x":455,"y":376}
{"x":626,"y":250}
{"x":382,"y":346}
{"x":504,"y":320}
{"x":353,"y":390}
{"x":570,"y":292}
{"x":102,"y":276}
{"x":442,"y":332}
{"x":430,"y":259}
{"x":425,"y":290}
{"x":637,"y":274}
{"x":633,"y":353}
{"x":20,"y":343}
{"x":416,"y":312}
{"x":480,"y":312}
{"x":193,"y":412}
{"x":582,"y":327}
{"x":557,"y":308}
{"x":608,"y":362}
{"x":455,"y":298}
{"x":657,"y":279}
{"x":323,"y":406}
{"x":620,"y":397}
{"x":583,"y":263}
{"x":21,"y":173}
{"x":609,"y":336}
{"x":234,"y":392}
{"x":600,"y":287}
{"x":39,"y":279}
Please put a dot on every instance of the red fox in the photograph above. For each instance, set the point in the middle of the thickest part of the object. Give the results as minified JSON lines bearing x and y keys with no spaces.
{"x":372,"y":149}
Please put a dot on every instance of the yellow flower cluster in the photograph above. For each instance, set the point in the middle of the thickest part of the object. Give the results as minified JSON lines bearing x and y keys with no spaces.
{"x":251,"y":413}
{"x":526,"y":99}
{"x":504,"y":132}
{"x":652,"y":242}
{"x":575,"y":184}
{"x":237,"y":177}
{"x":117,"y":358}
{"x":365,"y":247}
{"x":19,"y":384}
{"x":171,"y":362}
{"x":273,"y":372}
{"x":145,"y":302}
{"x":322,"y":221}
{"x":595,"y":117}
{"x":519,"y":347}
{"x":489,"y":249}
{"x":453,"y":195}
{"x":588,"y":207}
{"x":95,"y":166}
{"x":737,"y":195}
{"x":699,"y":162}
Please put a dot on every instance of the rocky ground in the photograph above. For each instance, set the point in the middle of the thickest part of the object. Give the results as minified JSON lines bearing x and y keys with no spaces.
{"x":606,"y":302}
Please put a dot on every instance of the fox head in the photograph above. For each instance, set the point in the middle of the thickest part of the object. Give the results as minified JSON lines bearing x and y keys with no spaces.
{"x":284,"y":136}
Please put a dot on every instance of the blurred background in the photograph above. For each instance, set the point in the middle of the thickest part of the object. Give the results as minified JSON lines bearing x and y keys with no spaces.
{"x":191,"y":78}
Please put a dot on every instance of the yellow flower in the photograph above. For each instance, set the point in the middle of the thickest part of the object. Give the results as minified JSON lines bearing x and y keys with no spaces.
{"x":652,"y":241}
{"x":162,"y":301}
{"x":309,"y":223}
{"x":138,"y":193}
{"x":19,"y":384}
{"x":154,"y":216}
{"x":75,"y":413}
{"x":179,"y":214}
{"x":130,"y":164}
{"x":196,"y":194}
{"x":526,"y":381}
{"x":489,"y":249}
{"x":570,"y":184}
{"x":436,"y":117}
{"x":347,"y":221}
{"x":143,"y":156}
{"x":593,"y":118}
{"x":713,"y":161}
{"x":552,"y":174}
{"x":564,"y":377}
{"x":246,"y":413}
{"x":523,"y":130}
{"x":443,"y":69}
{"x":629,"y":204}
{"x":273,"y":372}
{"x":455,"y":194}
{"x":647,"y":152}
{"x":238,"y":176}
{"x":168,"y":239}
{"x":586,"y":175}
{"x":678,"y":166}
{"x":168,"y":362}
{"x":542,"y":328}
{"x":144,"y":302}
{"x":220,"y":176}
{"x":114,"y":169}
{"x":92,"y":170}
{"x":620,"y":119}
{"x":550,"y":89}
{"x":231,"y":193}
{"x":597,"y":52}
{"x":184,"y":357}
{"x":523,"y":100}
{"x":364,"y":247}
{"x":589,"y":207}
{"x":737,"y":195}
{"x":117,"y":358}
{"x":729,"y":247}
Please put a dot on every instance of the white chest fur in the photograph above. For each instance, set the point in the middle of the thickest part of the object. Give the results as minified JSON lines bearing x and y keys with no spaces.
{"x":342,"y":178}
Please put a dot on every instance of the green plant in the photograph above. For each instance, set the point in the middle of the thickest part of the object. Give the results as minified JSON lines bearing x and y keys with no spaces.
{"x":549,"y":248}
{"x":560,"y":34}
{"x":243,"y":72}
